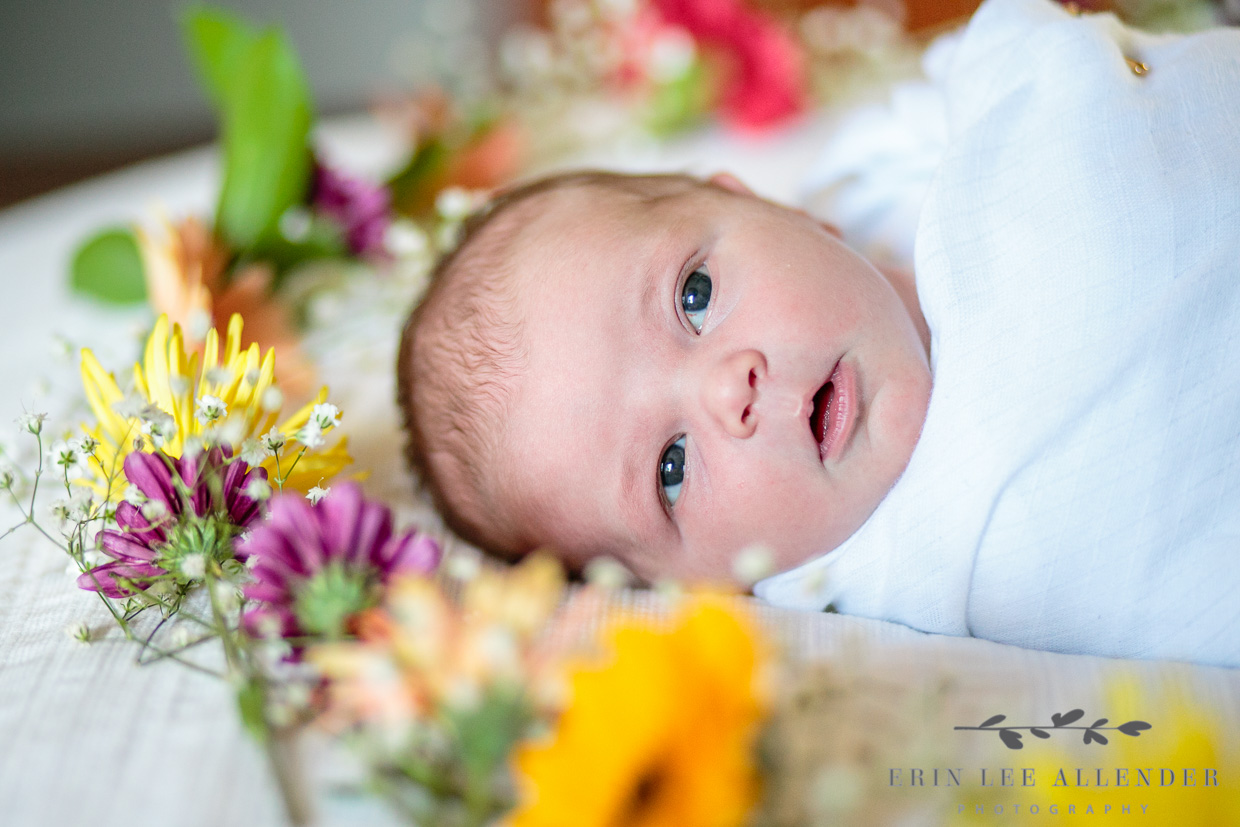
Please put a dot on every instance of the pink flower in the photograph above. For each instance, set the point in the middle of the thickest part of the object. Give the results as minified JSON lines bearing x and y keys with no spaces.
{"x":181,"y":527}
{"x":317,"y":566}
{"x":767,"y":83}
{"x":359,"y":207}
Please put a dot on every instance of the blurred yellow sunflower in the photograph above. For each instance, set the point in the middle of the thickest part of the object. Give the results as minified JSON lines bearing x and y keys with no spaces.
{"x":232,"y":397}
{"x":662,"y":734}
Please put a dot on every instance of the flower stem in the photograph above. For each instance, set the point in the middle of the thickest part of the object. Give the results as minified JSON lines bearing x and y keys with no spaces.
{"x":32,"y":521}
{"x":282,"y":753}
{"x":38,"y":471}
{"x":11,"y":530}
{"x":296,"y":460}
{"x":231,"y":655}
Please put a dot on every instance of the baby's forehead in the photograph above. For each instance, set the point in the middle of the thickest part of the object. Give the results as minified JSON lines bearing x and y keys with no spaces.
{"x":564,"y":210}
{"x":591,"y":202}
{"x":562,"y":230}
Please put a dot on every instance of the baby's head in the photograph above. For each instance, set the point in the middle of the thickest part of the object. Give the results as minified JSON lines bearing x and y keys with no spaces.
{"x":661,"y":369}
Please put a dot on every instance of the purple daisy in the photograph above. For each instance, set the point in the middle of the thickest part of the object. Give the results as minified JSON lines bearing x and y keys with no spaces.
{"x":189,"y":525}
{"x":359,"y":207}
{"x":316,"y":566}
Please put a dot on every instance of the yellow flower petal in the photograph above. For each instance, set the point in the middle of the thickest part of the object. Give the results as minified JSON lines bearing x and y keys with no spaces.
{"x":233,"y":346}
{"x":662,"y":734}
{"x":102,"y":393}
{"x":172,"y":378}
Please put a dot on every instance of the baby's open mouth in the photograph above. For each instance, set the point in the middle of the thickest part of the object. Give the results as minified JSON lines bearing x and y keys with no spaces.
{"x":831,"y":415}
{"x":820,"y":416}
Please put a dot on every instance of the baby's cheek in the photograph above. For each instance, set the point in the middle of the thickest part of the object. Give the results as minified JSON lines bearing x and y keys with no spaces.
{"x":897,"y":415}
{"x":771,"y":503}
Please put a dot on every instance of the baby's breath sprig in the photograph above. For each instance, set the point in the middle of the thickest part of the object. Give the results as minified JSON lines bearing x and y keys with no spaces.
{"x":194,"y":596}
{"x":79,"y":514}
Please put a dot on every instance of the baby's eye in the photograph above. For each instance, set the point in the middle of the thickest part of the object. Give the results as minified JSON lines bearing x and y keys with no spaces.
{"x":672,"y":471}
{"x":695,"y":297}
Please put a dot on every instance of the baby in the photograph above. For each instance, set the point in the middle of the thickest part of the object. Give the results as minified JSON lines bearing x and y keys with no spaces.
{"x":663,"y":370}
{"x":1037,"y":442}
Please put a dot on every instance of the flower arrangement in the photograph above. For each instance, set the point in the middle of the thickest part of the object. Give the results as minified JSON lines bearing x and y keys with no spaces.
{"x":471,"y":707}
{"x":440,"y":684}
{"x":280,"y":206}
{"x":185,"y":514}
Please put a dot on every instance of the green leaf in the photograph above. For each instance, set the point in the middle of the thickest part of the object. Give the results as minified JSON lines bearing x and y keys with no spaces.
{"x":323,"y":240}
{"x":414,"y":187}
{"x":250,"y":704}
{"x":217,"y":42}
{"x":681,"y":102}
{"x":265,"y":115}
{"x":488,"y":732}
{"x":108,"y":266}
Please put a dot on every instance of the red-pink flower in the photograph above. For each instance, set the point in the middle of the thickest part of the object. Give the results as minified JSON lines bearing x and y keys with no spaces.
{"x":317,"y":566}
{"x":188,"y":520}
{"x":767,"y":82}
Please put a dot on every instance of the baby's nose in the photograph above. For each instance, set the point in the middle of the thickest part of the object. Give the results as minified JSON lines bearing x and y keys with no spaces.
{"x":731,"y":388}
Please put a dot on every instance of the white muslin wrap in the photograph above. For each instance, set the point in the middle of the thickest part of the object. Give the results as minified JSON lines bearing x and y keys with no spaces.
{"x":1076,"y":487}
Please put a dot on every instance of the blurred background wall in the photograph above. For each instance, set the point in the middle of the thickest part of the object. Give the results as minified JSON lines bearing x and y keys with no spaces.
{"x":89,"y":85}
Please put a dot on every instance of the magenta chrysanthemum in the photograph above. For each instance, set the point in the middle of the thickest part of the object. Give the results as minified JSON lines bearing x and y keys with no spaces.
{"x":316,"y":566}
{"x":359,"y":207}
{"x":181,"y":527}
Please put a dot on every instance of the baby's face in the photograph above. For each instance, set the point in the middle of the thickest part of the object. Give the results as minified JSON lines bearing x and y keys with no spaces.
{"x":705,"y":372}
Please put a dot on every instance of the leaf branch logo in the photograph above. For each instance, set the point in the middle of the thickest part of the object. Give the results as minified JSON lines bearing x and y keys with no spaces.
{"x":1011,"y":737}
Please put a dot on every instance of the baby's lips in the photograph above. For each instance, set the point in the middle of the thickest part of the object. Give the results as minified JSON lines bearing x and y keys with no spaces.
{"x":840,"y":411}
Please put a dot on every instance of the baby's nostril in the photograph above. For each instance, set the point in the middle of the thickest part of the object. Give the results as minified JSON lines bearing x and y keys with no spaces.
{"x":753,"y":377}
{"x":745,"y":414}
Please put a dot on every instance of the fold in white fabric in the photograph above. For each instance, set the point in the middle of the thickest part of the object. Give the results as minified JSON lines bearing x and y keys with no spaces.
{"x":1076,"y":487}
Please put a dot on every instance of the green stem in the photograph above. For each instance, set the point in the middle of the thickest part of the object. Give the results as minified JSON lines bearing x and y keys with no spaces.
{"x":296,"y":460}
{"x":146,"y":644}
{"x":428,"y":778}
{"x":231,"y":655}
{"x":11,"y":530}
{"x":279,"y":473}
{"x":162,"y":655}
{"x":34,"y":487}
{"x":58,"y":543}
{"x":281,"y":747}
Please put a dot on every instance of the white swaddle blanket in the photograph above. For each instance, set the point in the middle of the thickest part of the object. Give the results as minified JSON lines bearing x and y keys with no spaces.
{"x":1076,"y":486}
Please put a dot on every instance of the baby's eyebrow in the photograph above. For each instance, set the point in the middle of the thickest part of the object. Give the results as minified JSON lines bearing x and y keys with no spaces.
{"x":649,"y":284}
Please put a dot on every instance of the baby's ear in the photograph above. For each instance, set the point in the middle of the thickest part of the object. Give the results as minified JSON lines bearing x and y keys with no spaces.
{"x":828,"y":226}
{"x":729,"y":182}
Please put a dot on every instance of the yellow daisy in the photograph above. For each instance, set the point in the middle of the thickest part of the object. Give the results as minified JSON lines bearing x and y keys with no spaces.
{"x":232,"y":396}
{"x":662,"y":734}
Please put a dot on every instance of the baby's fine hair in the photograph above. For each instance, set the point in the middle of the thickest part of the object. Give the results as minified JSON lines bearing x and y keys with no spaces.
{"x":462,"y":349}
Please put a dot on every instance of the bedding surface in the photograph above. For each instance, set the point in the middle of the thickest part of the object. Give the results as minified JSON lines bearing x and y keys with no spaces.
{"x":1077,"y":484}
